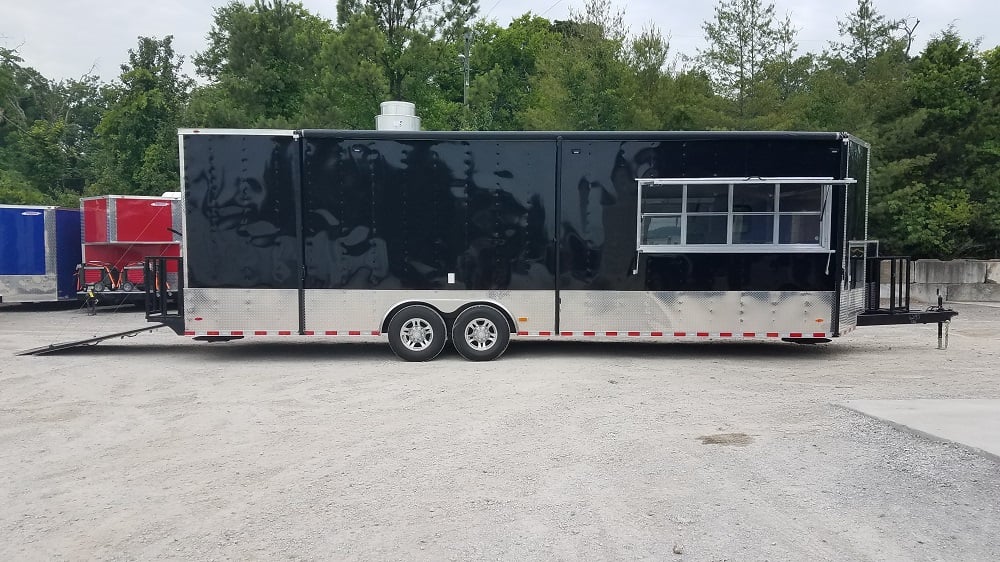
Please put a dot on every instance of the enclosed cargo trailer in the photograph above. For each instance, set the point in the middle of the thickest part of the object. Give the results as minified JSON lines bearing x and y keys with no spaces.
{"x":39,"y":252}
{"x":476,"y":237}
{"x":119,"y":232}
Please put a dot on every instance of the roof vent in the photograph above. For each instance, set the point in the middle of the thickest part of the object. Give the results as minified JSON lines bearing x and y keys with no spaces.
{"x":397,"y":116}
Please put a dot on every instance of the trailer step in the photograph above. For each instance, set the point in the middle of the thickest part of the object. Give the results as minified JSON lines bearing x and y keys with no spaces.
{"x":89,"y":341}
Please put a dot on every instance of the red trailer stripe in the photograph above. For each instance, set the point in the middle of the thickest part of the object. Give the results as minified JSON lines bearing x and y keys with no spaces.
{"x":376,"y":333}
{"x":522,"y":333}
{"x":680,"y":334}
{"x":634,"y":334}
{"x":726,"y":335}
{"x":772,"y":334}
{"x":819,"y":334}
{"x":749,"y":334}
{"x":565,"y":333}
{"x":354,"y":333}
{"x":260,"y":333}
{"x":590,"y":333}
{"x":310,"y":333}
{"x":611,"y":334}
{"x":795,"y":335}
{"x":657,"y":334}
{"x":187,"y":333}
{"x":237,"y":333}
{"x":212,"y":333}
{"x":331,"y":332}
{"x":284,"y":333}
{"x":544,"y":333}
{"x":702,"y":334}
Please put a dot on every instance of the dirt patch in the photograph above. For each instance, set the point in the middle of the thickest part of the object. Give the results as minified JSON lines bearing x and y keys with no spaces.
{"x":734,"y":439}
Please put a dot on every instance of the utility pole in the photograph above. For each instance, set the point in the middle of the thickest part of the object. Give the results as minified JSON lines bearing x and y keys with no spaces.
{"x":465,"y":66}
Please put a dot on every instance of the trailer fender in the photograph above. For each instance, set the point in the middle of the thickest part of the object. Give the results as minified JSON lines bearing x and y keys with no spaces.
{"x":449,"y":310}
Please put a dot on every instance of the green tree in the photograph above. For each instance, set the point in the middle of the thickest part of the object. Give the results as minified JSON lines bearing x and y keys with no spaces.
{"x":406,"y":25}
{"x":865,"y":35}
{"x":261,"y":63}
{"x":137,"y":137}
{"x":925,"y":199}
{"x":743,"y":40}
{"x":583,"y":82}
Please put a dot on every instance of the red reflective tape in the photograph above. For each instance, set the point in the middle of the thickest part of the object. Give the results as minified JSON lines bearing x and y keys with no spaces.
{"x":819,"y":334}
{"x":310,"y":333}
{"x":749,"y":334}
{"x":199,"y":318}
{"x":284,"y":333}
{"x":565,"y":333}
{"x":702,"y":334}
{"x":331,"y":332}
{"x":522,"y":333}
{"x":634,"y":334}
{"x":212,"y":332}
{"x":680,"y":334}
{"x":611,"y":333}
{"x":656,"y":334}
{"x":260,"y":333}
{"x":590,"y":333}
{"x":236,"y":333}
{"x":376,"y":333}
{"x":795,"y":335}
{"x":186,"y":333}
{"x":773,"y":334}
{"x":354,"y":333}
{"x":544,"y":333}
{"x":726,"y":335}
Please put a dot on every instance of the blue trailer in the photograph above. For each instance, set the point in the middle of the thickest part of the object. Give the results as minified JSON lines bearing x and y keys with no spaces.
{"x":39,"y":253}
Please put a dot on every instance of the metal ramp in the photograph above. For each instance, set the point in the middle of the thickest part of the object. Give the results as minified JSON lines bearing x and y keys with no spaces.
{"x":89,"y":341}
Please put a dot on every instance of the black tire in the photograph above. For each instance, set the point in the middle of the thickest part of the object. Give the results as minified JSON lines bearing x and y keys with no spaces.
{"x":128,"y":286}
{"x":417,"y":333}
{"x":480,"y":333}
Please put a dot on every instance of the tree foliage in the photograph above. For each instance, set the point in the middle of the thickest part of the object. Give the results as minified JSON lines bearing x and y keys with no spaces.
{"x":933,"y":117}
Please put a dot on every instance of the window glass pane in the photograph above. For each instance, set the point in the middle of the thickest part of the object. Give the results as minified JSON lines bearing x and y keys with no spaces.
{"x":662,"y":198}
{"x":799,"y":229}
{"x":758,"y":198}
{"x":708,"y":199}
{"x":801,"y":198}
{"x":661,"y":230}
{"x":753,"y":229}
{"x":706,"y":229}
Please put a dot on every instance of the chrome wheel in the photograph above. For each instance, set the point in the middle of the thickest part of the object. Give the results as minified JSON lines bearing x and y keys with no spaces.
{"x":416,"y":334}
{"x":481,"y":334}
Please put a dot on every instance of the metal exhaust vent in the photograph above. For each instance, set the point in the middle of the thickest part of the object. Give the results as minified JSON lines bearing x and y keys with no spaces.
{"x":397,"y":116}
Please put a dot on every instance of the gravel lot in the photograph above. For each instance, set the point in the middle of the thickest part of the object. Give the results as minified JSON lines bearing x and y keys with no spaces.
{"x":160,"y":447}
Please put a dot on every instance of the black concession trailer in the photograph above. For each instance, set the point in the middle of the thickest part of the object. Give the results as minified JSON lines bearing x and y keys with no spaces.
{"x":477,"y":237}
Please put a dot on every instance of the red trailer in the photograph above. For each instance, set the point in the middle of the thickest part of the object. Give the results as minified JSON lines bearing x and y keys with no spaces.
{"x":119,"y":232}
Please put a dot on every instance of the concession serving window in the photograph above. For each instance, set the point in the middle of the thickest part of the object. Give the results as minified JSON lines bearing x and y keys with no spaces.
{"x":729,"y":214}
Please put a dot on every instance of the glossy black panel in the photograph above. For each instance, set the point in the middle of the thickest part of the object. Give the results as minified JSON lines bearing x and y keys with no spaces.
{"x":738,"y":272}
{"x":598,"y":220}
{"x":404,"y":214}
{"x":240,"y":205}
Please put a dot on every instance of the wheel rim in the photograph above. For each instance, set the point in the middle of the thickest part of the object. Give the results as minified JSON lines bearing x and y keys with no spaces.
{"x":416,"y":334}
{"x":481,"y":334}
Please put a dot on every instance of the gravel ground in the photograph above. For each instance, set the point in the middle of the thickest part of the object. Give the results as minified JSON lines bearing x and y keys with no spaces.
{"x":160,"y":447}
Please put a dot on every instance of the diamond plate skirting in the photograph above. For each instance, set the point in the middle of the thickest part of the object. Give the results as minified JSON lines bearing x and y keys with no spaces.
{"x":731,"y":311}
{"x":345,"y":310}
{"x":241,"y":309}
{"x":852,"y":303}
